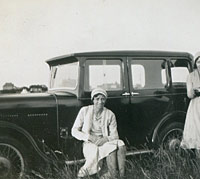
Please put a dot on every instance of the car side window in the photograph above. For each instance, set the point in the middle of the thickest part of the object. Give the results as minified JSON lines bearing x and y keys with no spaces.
{"x":148,"y":73}
{"x":179,"y":71}
{"x":104,"y":73}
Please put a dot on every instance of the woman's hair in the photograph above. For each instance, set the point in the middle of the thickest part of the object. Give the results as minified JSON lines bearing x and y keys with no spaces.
{"x":195,"y":62}
{"x":96,"y":96}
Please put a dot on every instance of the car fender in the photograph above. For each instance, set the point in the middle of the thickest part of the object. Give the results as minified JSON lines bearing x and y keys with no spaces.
{"x":177,"y":116}
{"x":19,"y":130}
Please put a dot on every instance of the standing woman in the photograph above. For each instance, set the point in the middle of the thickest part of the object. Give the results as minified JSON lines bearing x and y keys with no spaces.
{"x":191,"y":133}
{"x":96,"y":126}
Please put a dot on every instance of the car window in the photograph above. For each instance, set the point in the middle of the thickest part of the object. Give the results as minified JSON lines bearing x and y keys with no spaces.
{"x":179,"y":71}
{"x":148,"y":73}
{"x":64,"y":76}
{"x":104,"y":73}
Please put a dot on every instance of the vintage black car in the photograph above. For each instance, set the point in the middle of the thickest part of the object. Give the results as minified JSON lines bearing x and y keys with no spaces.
{"x":146,"y":91}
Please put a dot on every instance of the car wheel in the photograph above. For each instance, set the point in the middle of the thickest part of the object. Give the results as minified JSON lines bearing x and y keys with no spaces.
{"x":12,"y":159}
{"x":170,"y":137}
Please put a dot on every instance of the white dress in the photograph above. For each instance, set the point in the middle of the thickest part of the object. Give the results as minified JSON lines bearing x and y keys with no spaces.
{"x":93,"y":154}
{"x":191,"y":133}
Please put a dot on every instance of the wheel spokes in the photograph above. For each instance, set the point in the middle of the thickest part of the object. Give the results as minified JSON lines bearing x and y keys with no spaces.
{"x":173,"y":139}
{"x":11,"y":154}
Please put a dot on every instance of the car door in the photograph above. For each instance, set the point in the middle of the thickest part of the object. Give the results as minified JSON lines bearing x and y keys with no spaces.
{"x":109,"y":73}
{"x":150,"y":96}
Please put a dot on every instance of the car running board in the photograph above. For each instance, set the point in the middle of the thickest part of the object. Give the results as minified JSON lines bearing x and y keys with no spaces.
{"x":128,"y":153}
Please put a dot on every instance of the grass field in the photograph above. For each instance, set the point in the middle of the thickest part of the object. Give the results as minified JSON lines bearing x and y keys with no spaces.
{"x":158,"y":165}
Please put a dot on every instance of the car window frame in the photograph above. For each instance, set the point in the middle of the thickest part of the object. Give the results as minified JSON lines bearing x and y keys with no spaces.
{"x":190,"y":69}
{"x":165,"y":87}
{"x":114,"y":93}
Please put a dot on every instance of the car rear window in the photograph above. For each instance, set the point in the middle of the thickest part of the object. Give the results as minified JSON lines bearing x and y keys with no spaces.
{"x":179,"y":71}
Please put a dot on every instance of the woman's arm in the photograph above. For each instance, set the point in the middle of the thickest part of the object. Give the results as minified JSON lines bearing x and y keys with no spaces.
{"x":113,"y":133}
{"x":77,"y":127}
{"x":190,"y":89}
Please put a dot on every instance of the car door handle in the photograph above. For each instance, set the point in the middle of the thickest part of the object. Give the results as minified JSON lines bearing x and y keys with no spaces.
{"x":134,"y":94}
{"x":126,"y":94}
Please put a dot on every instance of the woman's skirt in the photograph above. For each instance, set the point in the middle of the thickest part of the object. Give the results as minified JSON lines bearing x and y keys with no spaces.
{"x":191,"y":133}
{"x":93,"y":155}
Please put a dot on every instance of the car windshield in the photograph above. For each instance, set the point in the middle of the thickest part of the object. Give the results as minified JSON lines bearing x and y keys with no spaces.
{"x":64,"y":76}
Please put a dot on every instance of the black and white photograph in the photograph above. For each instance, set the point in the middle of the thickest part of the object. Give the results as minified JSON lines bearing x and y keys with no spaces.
{"x":99,"y":89}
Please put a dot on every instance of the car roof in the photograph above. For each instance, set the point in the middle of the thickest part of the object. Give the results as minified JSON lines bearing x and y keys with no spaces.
{"x":133,"y":53}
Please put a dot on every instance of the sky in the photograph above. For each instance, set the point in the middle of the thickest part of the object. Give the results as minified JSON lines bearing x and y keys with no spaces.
{"x":33,"y":31}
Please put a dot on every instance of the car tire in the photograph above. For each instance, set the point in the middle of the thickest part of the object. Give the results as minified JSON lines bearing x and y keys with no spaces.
{"x":13,"y":158}
{"x":170,"y":136}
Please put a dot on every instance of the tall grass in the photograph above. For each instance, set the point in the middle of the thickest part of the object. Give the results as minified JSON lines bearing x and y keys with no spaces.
{"x":161,"y":164}
{"x":164,"y":165}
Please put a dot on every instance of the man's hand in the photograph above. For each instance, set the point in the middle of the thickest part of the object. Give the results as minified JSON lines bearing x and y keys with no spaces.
{"x":101,"y":141}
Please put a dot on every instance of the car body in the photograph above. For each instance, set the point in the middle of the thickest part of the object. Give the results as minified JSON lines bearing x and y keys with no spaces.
{"x":146,"y":91}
